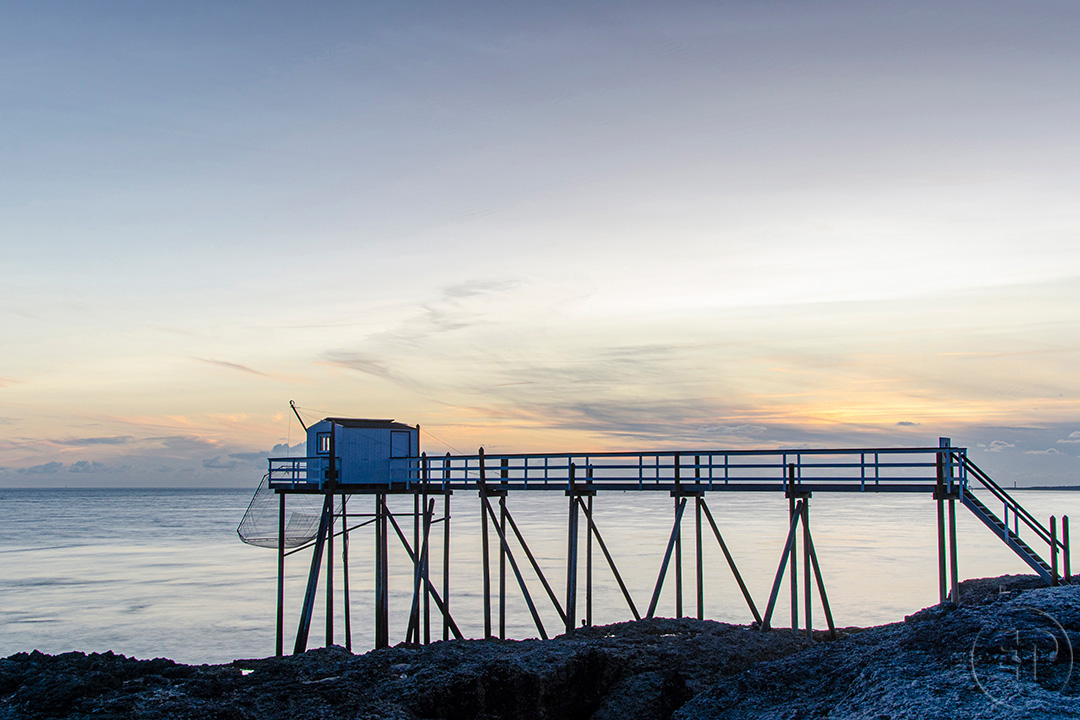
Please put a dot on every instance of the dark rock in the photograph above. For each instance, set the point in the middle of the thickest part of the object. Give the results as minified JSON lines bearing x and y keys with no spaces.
{"x":1010,"y":657}
{"x":940,"y":662}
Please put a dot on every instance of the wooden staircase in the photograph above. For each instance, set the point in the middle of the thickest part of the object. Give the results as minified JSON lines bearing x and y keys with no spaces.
{"x":1048,"y":571}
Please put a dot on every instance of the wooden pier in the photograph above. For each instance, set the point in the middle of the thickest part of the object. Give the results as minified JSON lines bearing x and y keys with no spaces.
{"x":381,"y":458}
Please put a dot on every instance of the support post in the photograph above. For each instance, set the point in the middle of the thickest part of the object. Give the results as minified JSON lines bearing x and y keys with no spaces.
{"x":330,"y":574}
{"x":588,"y":564}
{"x":939,"y":496}
{"x":279,"y":645}
{"x":1065,"y":546}
{"x":808,"y":609}
{"x":313,"y":577}
{"x":571,"y":555}
{"x":793,"y":562}
{"x":942,"y":562}
{"x":382,"y":574}
{"x":700,"y":566}
{"x":1053,"y":552}
{"x":345,"y":572}
{"x":426,"y":569}
{"x":446,"y":550}
{"x":414,"y":610}
{"x":678,"y":542}
{"x":485,"y":552}
{"x":502,"y":558}
{"x":954,"y":572}
{"x":331,"y":483}
{"x":420,"y":580}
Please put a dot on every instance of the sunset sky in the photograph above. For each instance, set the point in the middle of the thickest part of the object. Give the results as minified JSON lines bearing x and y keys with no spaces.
{"x":536,"y":226}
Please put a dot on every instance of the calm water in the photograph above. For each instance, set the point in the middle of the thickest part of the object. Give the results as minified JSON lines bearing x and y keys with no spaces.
{"x":161,"y":572}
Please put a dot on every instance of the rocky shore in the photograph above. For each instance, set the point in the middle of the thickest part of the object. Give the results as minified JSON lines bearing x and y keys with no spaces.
{"x":1007,"y":651}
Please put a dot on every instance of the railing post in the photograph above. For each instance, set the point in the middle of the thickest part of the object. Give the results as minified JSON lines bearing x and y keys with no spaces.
{"x":945,"y":460}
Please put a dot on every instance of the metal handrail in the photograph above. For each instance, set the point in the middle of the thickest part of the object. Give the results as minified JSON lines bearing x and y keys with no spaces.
{"x":1009,"y":501}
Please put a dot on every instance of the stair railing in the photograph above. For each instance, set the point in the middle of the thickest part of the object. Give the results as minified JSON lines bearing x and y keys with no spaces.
{"x":1019,"y":512}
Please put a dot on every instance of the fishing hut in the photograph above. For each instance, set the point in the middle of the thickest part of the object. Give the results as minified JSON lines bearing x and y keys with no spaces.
{"x":303,"y":504}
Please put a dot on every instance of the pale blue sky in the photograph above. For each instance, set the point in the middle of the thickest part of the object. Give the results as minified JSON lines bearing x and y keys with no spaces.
{"x":562,"y":227}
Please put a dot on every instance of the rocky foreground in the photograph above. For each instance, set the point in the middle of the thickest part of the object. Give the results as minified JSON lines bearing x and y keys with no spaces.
{"x":1005,"y":652}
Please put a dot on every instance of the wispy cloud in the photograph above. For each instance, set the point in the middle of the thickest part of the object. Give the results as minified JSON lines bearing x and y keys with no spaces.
{"x":220,"y":463}
{"x":1047,"y":451}
{"x":48,"y":468}
{"x":232,"y":366}
{"x":1074,"y":437}
{"x":93,"y":466}
{"x":107,"y":440}
{"x":999,"y":445}
{"x":188,"y":443}
{"x":367,"y":365}
{"x":732,"y":429}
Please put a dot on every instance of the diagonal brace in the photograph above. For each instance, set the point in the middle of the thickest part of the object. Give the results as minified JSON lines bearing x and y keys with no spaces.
{"x":783,"y":564}
{"x":667,"y":559}
{"x":536,"y":567}
{"x":730,"y":561}
{"x":611,"y":563}
{"x":434,"y":593}
{"x":514,"y":566}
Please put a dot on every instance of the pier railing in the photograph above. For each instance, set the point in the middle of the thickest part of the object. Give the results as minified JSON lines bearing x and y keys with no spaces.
{"x":854,"y":470}
{"x":299,"y":472}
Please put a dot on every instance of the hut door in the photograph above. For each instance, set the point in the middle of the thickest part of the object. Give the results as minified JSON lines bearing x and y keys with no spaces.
{"x":399,"y":444}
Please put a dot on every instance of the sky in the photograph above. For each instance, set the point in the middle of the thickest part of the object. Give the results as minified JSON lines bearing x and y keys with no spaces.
{"x":536,"y":227}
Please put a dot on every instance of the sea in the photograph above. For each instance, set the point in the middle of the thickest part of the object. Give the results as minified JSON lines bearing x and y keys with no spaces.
{"x":162,"y":573}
